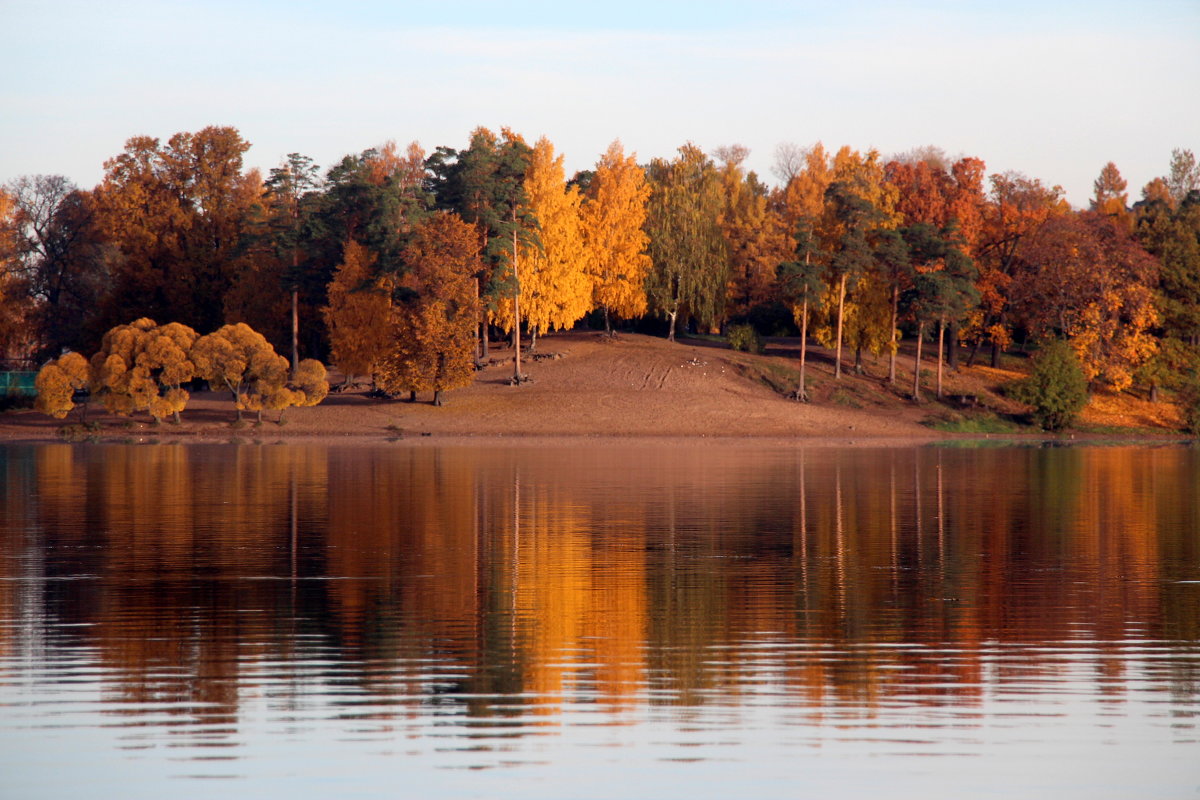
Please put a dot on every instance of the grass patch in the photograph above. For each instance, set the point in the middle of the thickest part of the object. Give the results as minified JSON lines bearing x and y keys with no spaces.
{"x":842,"y":397}
{"x":987,"y":422}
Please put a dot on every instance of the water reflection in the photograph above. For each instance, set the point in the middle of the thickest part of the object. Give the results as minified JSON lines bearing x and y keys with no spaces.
{"x":217,"y":597}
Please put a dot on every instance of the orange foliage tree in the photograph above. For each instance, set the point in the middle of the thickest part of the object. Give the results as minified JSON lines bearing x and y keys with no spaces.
{"x":358,"y":313}
{"x":178,"y":216}
{"x":1018,"y":206}
{"x":58,"y":381}
{"x":1093,"y":285}
{"x":433,"y":328}
{"x":756,"y":235}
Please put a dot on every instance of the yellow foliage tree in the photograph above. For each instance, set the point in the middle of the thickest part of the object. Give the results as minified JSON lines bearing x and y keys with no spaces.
{"x":804,"y":195}
{"x":117,"y":380}
{"x":142,"y":366}
{"x":57,"y":382}
{"x":613,"y":216}
{"x":358,"y":313}
{"x":238,"y":358}
{"x":556,"y":291}
{"x":164,"y":354}
{"x":434,"y":330}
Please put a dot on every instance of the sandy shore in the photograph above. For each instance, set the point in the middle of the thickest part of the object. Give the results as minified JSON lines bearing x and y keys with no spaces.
{"x":582,"y":385}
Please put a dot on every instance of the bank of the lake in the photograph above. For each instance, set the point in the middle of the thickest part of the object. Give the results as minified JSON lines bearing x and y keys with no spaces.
{"x":584,"y":384}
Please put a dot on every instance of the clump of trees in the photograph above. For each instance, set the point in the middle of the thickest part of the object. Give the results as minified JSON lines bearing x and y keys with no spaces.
{"x":143,"y":366}
{"x":856,"y":249}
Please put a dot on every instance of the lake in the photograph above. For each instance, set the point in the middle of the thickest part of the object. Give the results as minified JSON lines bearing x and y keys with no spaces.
{"x":598,"y":620}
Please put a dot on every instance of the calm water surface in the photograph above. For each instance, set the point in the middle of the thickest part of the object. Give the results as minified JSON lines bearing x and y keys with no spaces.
{"x":598,"y":621}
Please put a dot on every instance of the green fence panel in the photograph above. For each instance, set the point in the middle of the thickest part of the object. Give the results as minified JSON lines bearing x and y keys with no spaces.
{"x":18,"y":383}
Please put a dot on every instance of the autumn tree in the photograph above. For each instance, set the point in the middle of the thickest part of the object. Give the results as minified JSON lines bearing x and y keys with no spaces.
{"x":115,"y":376}
{"x":142,"y":367}
{"x":358,"y":315}
{"x":687,"y":247}
{"x":803,"y":195}
{"x":943,"y":289}
{"x":894,"y":265}
{"x":55,"y":255}
{"x":164,"y":353}
{"x":275,"y":293}
{"x":613,"y":215}
{"x":70,"y":278}
{"x":1091,"y":284}
{"x":14,"y":304}
{"x":238,"y":358}
{"x":58,"y":381}
{"x":1110,"y":197}
{"x":485,"y":185}
{"x":851,"y":253}
{"x":1017,"y":208}
{"x":556,"y":290}
{"x":178,"y":216}
{"x":858,"y":203}
{"x":375,"y":198}
{"x":434,"y":319}
{"x":756,"y":237}
{"x":802,"y":282}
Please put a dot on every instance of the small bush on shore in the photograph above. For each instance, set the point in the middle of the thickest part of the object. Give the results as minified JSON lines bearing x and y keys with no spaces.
{"x":1055,"y":388}
{"x":744,"y":338}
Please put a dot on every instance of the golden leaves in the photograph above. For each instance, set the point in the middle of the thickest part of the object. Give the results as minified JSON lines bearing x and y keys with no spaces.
{"x":613,"y":214}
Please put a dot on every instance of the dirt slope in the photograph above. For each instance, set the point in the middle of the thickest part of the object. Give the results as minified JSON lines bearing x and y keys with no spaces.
{"x":585,"y":384}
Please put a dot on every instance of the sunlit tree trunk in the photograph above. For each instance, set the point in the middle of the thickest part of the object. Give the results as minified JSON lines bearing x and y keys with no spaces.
{"x":802,"y":390}
{"x":941,"y":338}
{"x":516,"y":315}
{"x":837,"y":361}
{"x":917,"y":363}
{"x":895,"y":345}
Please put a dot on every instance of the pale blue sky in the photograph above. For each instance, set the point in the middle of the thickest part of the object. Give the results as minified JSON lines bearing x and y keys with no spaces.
{"x":1052,"y":89}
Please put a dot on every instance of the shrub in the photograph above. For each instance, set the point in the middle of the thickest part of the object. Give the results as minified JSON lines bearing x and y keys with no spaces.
{"x":1189,"y":405}
{"x":745,"y":338}
{"x":1056,"y":387}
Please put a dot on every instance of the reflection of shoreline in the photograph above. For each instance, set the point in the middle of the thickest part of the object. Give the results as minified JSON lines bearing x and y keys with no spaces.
{"x":633,"y":577}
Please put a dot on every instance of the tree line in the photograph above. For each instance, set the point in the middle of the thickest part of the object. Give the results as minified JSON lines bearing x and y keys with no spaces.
{"x":404,"y":266}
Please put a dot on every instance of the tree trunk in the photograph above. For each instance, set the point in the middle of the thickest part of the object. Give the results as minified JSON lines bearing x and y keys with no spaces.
{"x":671,"y":329}
{"x":837,"y":361}
{"x":802,"y":391}
{"x":917,"y":363}
{"x":895,"y":344}
{"x":858,"y":363}
{"x":1154,"y":393}
{"x":479,"y":354}
{"x":995,"y":355}
{"x":295,"y":326}
{"x":412,"y":396}
{"x":533,"y":340}
{"x":941,"y":339}
{"x":437,"y":397}
{"x":516,"y":316}
{"x":607,"y":323}
{"x":952,"y":352}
